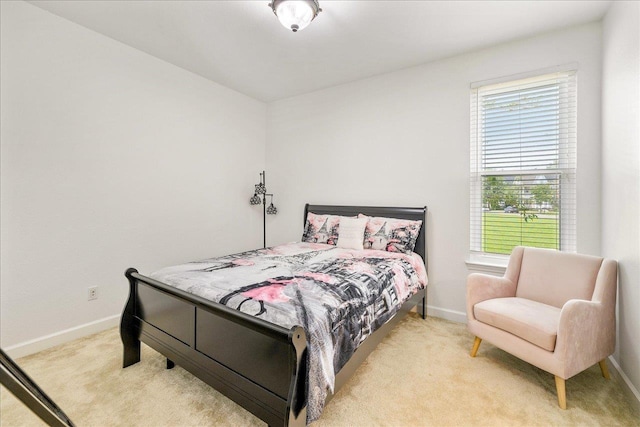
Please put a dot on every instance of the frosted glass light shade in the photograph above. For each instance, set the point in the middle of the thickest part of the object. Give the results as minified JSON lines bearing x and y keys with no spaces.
{"x":255,"y":200}
{"x":260,"y":188}
{"x":295,"y":14}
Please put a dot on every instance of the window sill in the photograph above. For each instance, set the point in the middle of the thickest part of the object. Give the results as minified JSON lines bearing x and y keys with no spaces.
{"x":487,"y":264}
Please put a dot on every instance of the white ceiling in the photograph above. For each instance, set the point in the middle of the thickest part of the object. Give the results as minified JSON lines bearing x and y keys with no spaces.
{"x":241,"y":45}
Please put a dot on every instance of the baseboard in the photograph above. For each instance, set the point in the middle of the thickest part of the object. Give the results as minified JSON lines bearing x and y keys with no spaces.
{"x":48,"y":341}
{"x":633,"y":396}
{"x":445,"y":313}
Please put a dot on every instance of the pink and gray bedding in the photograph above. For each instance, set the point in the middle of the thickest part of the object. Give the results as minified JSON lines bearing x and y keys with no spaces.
{"x":391,"y":234}
{"x":340,"y":296}
{"x":321,"y":229}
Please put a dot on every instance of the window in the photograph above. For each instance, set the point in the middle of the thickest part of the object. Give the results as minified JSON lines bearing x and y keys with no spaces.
{"x":523,"y":163}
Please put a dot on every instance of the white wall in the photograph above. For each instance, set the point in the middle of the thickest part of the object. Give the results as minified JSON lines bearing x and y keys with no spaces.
{"x":110,"y":158}
{"x":403,"y":139}
{"x":621,"y":173}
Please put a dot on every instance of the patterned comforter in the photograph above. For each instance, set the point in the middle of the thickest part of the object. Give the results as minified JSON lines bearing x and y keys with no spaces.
{"x":339,"y":296}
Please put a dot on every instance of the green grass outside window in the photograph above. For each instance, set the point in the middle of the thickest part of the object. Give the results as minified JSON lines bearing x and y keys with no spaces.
{"x":502,"y":231}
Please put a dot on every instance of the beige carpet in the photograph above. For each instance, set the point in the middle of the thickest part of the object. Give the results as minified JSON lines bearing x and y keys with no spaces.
{"x":421,"y":375}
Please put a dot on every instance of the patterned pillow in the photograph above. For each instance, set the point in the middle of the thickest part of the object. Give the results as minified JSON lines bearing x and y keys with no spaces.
{"x":321,"y":229}
{"x":391,"y":234}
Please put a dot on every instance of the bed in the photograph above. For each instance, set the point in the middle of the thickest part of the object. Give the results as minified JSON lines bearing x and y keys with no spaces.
{"x":264,"y":367}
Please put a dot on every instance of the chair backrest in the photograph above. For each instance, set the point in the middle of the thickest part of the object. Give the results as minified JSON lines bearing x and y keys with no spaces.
{"x":553,"y":277}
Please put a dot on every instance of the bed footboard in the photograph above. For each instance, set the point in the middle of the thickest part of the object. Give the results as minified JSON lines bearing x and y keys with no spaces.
{"x":259,"y":365}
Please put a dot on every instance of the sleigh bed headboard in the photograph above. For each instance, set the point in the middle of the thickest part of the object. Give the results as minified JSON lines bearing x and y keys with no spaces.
{"x":414,"y":214}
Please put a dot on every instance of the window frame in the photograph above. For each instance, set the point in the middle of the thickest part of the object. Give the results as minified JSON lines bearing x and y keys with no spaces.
{"x":567,"y":158}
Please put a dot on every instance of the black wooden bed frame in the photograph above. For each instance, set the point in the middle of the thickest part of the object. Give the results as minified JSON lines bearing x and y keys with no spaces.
{"x":259,"y":365}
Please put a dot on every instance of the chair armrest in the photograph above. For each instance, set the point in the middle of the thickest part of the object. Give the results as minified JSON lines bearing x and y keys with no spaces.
{"x":481,"y":287}
{"x":586,"y":334}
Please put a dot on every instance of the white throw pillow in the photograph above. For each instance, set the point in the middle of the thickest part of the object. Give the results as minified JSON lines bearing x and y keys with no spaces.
{"x":351,"y":234}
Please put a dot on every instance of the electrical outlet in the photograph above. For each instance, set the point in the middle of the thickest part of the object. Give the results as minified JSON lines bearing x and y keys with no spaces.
{"x":93,"y":293}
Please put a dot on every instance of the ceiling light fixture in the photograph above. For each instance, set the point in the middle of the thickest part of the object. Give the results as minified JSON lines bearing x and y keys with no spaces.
{"x":295,"y":14}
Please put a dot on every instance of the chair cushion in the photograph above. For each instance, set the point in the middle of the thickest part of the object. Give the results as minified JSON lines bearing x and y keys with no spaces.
{"x":530,"y":320}
{"x":553,"y":277}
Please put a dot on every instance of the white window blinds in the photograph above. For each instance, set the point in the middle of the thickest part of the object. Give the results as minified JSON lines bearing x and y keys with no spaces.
{"x":523,"y":162}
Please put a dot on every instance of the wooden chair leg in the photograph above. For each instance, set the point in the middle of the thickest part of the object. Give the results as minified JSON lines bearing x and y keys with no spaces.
{"x":562,"y":392}
{"x":476,"y":346}
{"x":603,"y":368}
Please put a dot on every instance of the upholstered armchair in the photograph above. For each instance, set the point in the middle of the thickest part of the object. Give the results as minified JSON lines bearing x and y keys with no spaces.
{"x":554,"y":310}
